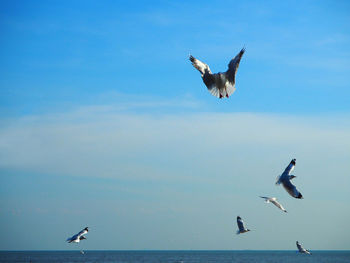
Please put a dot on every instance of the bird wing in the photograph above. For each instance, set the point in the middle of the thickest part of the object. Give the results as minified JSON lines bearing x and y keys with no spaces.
{"x":289,"y":168}
{"x":199,"y":65}
{"x":290,"y":188}
{"x":240,"y":224}
{"x":233,"y":66}
{"x":83,"y":232}
{"x":70,"y":239}
{"x":300,"y":248}
{"x":278,"y":204}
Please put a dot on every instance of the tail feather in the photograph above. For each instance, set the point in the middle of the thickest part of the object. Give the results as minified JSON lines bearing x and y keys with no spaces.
{"x":214,"y":91}
{"x":278,"y":180}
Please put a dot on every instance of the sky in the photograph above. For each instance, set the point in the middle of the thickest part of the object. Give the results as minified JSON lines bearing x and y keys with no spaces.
{"x":105,"y":123}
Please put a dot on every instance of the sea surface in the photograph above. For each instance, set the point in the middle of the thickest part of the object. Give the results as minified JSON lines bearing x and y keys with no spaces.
{"x":173,"y":256}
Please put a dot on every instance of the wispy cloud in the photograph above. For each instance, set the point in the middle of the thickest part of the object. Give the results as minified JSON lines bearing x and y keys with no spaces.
{"x":101,"y":141}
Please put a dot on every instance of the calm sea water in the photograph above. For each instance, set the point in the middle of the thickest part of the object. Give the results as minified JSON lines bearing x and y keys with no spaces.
{"x":174,"y":256}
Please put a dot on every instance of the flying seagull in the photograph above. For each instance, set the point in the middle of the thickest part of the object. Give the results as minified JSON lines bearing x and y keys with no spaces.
{"x":77,"y":237}
{"x":285,"y":179}
{"x":302,"y":250}
{"x":220,"y":84}
{"x":241,"y":228}
{"x":273,"y":200}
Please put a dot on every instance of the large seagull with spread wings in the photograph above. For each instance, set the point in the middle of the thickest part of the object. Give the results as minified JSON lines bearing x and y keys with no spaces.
{"x":220,"y":84}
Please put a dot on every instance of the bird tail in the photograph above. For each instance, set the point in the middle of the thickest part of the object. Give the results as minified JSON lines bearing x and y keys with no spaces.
{"x":215,"y":92}
{"x":278,"y":182}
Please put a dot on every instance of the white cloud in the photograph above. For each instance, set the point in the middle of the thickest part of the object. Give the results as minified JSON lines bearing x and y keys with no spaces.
{"x":99,"y":141}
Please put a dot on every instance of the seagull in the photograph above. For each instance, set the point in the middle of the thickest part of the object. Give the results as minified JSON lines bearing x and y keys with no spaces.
{"x":220,"y":84}
{"x":302,"y":250}
{"x":77,"y":237}
{"x":285,"y":179}
{"x":273,"y":200}
{"x":241,"y":228}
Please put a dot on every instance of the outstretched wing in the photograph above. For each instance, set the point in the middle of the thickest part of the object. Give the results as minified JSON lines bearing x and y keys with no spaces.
{"x":233,"y":66}
{"x":240,"y":224}
{"x":289,"y":168}
{"x":199,"y":65}
{"x":70,"y":239}
{"x":291,"y":189}
{"x":276,"y":203}
{"x":300,"y":248}
{"x":83,"y":232}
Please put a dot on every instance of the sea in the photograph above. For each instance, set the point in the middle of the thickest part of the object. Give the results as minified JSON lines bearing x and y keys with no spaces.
{"x":172,"y":256}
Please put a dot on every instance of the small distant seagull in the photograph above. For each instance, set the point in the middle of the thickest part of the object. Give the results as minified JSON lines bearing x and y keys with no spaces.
{"x":220,"y":84}
{"x":77,"y":237}
{"x":285,"y":178}
{"x":302,"y":250}
{"x":273,"y":200}
{"x":241,"y":228}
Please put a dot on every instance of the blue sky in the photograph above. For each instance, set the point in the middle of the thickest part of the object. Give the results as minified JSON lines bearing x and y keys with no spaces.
{"x":105,"y":123}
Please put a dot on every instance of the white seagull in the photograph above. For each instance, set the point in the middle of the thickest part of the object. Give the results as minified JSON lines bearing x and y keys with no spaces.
{"x":220,"y":84}
{"x":273,"y":200}
{"x":241,"y":228}
{"x":77,"y":237}
{"x":302,"y":250}
{"x":285,"y":178}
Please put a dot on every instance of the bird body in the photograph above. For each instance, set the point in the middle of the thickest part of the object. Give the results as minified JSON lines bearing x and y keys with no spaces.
{"x":241,"y":228}
{"x":77,"y":237}
{"x":220,"y":84}
{"x":274,"y":201}
{"x":285,"y":179}
{"x":302,"y":250}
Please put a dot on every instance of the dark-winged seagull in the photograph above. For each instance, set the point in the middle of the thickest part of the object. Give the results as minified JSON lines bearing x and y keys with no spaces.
{"x":273,"y":200}
{"x":285,"y":178}
{"x":302,"y":250}
{"x":241,"y":228}
{"x":220,"y":84}
{"x":77,"y":237}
